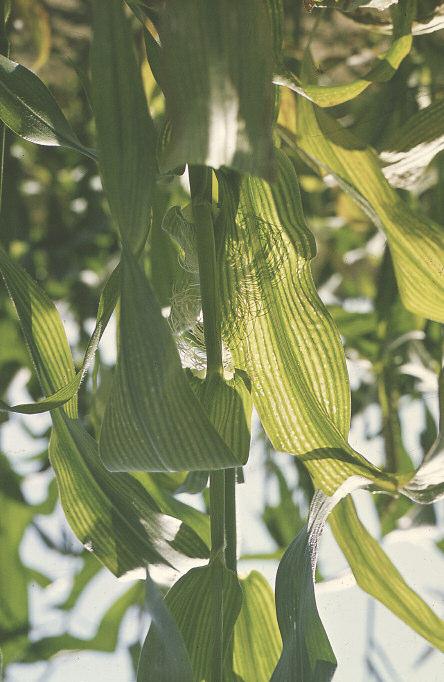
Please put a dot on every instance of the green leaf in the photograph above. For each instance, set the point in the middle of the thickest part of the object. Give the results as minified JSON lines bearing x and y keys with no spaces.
{"x":170,"y":661}
{"x":330,"y":96}
{"x":416,"y":243}
{"x":217,"y":65}
{"x":375,"y":573}
{"x":14,"y":277}
{"x":256,"y":640}
{"x":112,"y":515}
{"x":30,"y":111}
{"x":307,"y":654}
{"x":193,"y":602}
{"x":280,"y":333}
{"x":126,"y":136}
{"x":153,"y":421}
{"x":104,"y":640}
{"x":229,"y":406}
{"x":413,"y":146}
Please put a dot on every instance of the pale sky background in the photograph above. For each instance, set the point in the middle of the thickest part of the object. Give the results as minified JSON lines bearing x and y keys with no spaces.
{"x":344,"y":608}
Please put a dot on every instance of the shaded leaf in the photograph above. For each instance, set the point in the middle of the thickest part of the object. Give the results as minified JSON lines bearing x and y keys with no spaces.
{"x":153,"y":421}
{"x":126,"y":136}
{"x":170,"y":661}
{"x":29,"y":110}
{"x":104,"y":640}
{"x":329,"y":96}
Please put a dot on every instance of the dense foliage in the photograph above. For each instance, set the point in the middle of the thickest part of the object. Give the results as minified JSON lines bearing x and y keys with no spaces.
{"x":273,"y":188}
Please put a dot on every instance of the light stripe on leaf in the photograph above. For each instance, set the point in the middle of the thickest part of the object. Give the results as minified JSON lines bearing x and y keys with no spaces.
{"x":153,"y":421}
{"x":217,"y":61}
{"x":257,"y":641}
{"x":112,"y":514}
{"x":126,"y":137}
{"x":279,"y":331}
{"x":377,"y":575}
{"x":193,"y":602}
{"x":416,"y":243}
{"x":28,"y":108}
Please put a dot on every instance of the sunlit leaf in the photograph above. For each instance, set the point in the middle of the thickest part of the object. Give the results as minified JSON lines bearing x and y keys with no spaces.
{"x":416,"y":243}
{"x":193,"y":602}
{"x":216,"y":74}
{"x":377,"y":575}
{"x":256,"y":638}
{"x":279,"y":331}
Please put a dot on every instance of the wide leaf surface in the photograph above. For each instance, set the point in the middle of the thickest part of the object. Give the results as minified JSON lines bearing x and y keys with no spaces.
{"x":279,"y":331}
{"x":217,"y":62}
{"x":153,"y":421}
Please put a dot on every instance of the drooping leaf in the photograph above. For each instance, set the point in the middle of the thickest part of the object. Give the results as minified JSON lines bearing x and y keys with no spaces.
{"x":170,"y":660}
{"x":113,"y":515}
{"x":416,"y":243}
{"x":256,"y":639}
{"x":126,"y":137}
{"x":151,"y":393}
{"x":377,"y":575}
{"x":216,"y":73}
{"x":30,"y":111}
{"x":16,"y":279}
{"x":279,"y":331}
{"x":410,"y":150}
{"x":329,"y":96}
{"x":307,"y":654}
{"x":193,"y":602}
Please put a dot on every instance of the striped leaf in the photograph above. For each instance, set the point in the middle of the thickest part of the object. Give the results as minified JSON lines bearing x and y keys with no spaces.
{"x":377,"y":575}
{"x":416,"y":243}
{"x":256,"y":639}
{"x":112,"y":514}
{"x":280,"y":333}
{"x":410,"y":150}
{"x":217,"y":61}
{"x":18,"y":280}
{"x":126,"y":137}
{"x":307,"y":654}
{"x":228,"y":405}
{"x":330,"y":96}
{"x":193,"y":601}
{"x":153,"y":421}
{"x":30,"y":111}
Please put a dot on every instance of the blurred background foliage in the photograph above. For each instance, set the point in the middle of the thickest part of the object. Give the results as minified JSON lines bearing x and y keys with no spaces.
{"x":55,"y":223}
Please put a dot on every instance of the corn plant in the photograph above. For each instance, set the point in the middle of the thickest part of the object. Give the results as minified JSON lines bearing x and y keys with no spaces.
{"x":204,"y":118}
